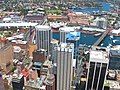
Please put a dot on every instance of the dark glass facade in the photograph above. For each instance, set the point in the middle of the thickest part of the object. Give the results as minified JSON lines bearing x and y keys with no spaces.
{"x":43,"y":39}
{"x":114,"y":63}
{"x":96,"y":76}
{"x":90,"y":76}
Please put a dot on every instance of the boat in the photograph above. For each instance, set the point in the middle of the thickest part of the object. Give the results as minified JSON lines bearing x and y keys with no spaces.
{"x":115,"y":41}
{"x":110,"y":45}
{"x":102,"y":44}
{"x":97,"y":34}
{"x":111,"y":36}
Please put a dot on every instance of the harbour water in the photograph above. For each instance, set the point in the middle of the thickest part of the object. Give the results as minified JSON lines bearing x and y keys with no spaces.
{"x":103,"y":6}
{"x":88,"y":39}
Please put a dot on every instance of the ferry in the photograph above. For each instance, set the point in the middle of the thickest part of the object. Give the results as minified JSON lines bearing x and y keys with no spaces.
{"x":97,"y":34}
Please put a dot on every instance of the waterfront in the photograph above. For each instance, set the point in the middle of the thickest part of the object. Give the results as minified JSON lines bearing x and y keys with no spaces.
{"x":90,"y":39}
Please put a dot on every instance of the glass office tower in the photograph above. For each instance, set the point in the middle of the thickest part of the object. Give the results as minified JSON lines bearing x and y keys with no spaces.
{"x":98,"y":65}
{"x":43,"y":37}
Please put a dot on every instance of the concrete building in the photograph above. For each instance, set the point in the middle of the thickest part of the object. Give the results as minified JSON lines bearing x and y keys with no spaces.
{"x":6,"y":57}
{"x":50,"y":82}
{"x":112,"y":85}
{"x":35,"y":18}
{"x":17,"y":53}
{"x":39,"y":55}
{"x":101,"y":22}
{"x":43,"y":37}
{"x":17,"y":82}
{"x":98,"y":65}
{"x":64,"y":66}
{"x":53,"y":44}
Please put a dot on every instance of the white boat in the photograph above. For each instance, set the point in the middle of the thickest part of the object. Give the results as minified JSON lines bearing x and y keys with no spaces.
{"x":97,"y":34}
{"x":110,"y":45}
{"x":111,"y":36}
{"x":102,"y":44}
{"x":115,"y":41}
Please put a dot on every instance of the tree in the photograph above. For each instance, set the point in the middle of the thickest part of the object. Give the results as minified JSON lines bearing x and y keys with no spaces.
{"x":24,"y":11}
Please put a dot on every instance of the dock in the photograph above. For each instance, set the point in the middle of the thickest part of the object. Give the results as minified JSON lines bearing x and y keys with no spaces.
{"x":101,"y":37}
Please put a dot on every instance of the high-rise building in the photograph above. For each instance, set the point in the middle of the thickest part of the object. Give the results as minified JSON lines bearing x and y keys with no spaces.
{"x":54,"y":43}
{"x":70,"y":35}
{"x":43,"y":37}
{"x":64,"y":66}
{"x":98,"y":65}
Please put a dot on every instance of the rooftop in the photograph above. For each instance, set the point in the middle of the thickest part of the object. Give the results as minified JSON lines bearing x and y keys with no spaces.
{"x":68,"y":47}
{"x":43,"y":27}
{"x":57,"y":25}
{"x":17,"y":49}
{"x":69,"y":29}
{"x":34,"y":17}
{"x":24,"y":24}
{"x":19,"y":42}
{"x":99,"y":56}
{"x":47,"y":63}
{"x":112,"y":84}
{"x":54,"y":41}
{"x":115,"y":53}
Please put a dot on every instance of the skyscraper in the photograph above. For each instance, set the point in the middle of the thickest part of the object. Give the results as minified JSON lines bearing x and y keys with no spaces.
{"x":43,"y":37}
{"x":98,"y":65}
{"x":54,"y":43}
{"x":70,"y":35}
{"x":64,"y":66}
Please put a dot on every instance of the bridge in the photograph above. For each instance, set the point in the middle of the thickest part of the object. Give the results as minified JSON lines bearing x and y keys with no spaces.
{"x":101,"y":38}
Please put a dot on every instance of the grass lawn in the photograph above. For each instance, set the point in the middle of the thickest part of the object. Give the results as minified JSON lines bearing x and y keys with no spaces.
{"x":53,"y":11}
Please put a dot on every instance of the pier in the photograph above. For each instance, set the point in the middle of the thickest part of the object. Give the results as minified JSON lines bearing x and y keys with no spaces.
{"x":101,"y":38}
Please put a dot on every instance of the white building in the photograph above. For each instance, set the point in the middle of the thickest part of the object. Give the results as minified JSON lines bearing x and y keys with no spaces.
{"x":43,"y":37}
{"x":101,"y":22}
{"x":64,"y":66}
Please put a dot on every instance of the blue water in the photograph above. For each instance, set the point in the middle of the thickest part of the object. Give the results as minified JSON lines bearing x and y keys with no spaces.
{"x":103,"y":7}
{"x":86,"y":10}
{"x":88,"y":40}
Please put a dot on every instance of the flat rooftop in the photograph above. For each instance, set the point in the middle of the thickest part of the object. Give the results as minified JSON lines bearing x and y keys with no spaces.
{"x":68,"y":47}
{"x":24,"y":24}
{"x":69,"y":29}
{"x":99,"y":56}
{"x":115,"y":53}
{"x":112,"y":84}
{"x":43,"y":27}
